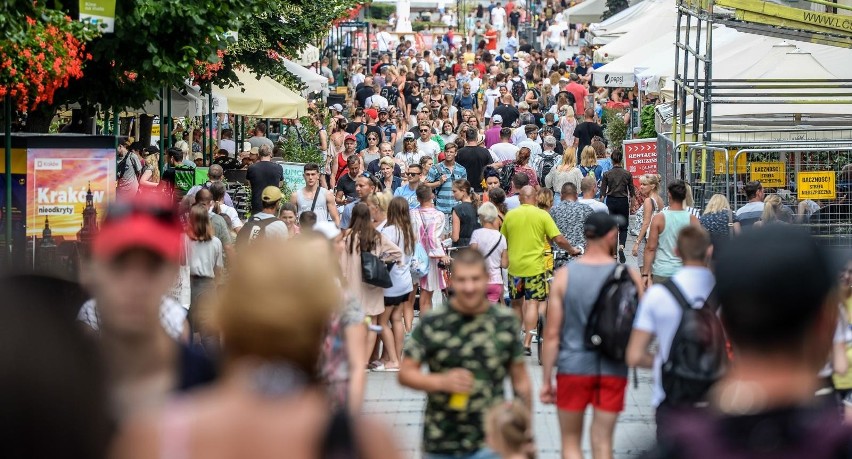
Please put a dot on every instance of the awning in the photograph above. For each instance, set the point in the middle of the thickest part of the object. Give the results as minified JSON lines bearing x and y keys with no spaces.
{"x":183,"y":105}
{"x":259,"y":97}
{"x":620,"y":72}
{"x":313,"y":81}
{"x":645,"y":14}
{"x":587,"y":12}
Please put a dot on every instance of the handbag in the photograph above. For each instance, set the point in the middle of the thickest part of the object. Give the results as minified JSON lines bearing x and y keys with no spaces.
{"x":374,"y":271}
{"x":180,"y":291}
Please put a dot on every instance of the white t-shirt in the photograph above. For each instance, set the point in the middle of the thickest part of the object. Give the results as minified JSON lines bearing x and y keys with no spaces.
{"x":498,"y":16}
{"x":659,"y":314}
{"x":513,"y":202}
{"x":504,"y":151}
{"x":596,"y":205}
{"x":490,"y":97}
{"x":377,"y":101}
{"x":475,"y":83}
{"x":485,"y":239}
{"x":277,"y":229}
{"x":400,"y":273}
{"x":407,"y":159}
{"x":228,"y":144}
{"x":236,"y":223}
{"x":384,"y":40}
{"x":428,"y":148}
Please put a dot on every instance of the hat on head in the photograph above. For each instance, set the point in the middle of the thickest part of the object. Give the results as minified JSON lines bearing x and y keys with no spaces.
{"x":197,"y":155}
{"x":497,"y":119}
{"x":408,"y":135}
{"x":246,"y":146}
{"x":337,"y":108}
{"x":507,"y":57}
{"x":152,"y":149}
{"x":599,"y":224}
{"x":145,"y":221}
{"x":383,"y":110}
{"x":255,"y":150}
{"x":271,"y":194}
{"x":350,"y":137}
{"x":327,"y":229}
{"x":372,"y":113}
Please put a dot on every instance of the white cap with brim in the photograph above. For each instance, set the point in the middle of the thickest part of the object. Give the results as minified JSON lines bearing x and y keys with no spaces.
{"x":327,"y":229}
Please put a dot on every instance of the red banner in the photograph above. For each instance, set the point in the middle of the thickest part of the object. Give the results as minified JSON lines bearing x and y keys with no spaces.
{"x":640,"y":157}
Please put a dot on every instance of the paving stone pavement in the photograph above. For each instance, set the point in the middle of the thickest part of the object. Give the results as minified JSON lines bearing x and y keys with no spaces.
{"x":401,"y":409}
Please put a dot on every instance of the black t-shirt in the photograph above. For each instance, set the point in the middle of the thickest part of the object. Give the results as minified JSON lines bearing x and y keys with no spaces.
{"x":581,"y":70}
{"x":413,"y":102}
{"x":538,"y":117}
{"x":195,"y":369}
{"x":474,"y":160}
{"x":466,"y":212}
{"x":442,"y":73}
{"x":584,"y":133}
{"x":423,"y":79}
{"x":363,"y":94}
{"x":352,"y":127}
{"x":375,"y":128}
{"x":261,"y":175}
{"x":346,"y":184}
{"x":391,"y":93}
{"x":514,"y":17}
{"x":509,"y":114}
{"x":526,"y":47}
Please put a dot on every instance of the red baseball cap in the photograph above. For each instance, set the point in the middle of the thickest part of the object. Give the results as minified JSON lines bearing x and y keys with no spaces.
{"x":372,"y":113}
{"x":145,"y":222}
{"x":350,"y":137}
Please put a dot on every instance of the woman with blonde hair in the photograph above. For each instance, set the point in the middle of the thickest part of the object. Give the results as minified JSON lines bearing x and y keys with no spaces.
{"x":604,"y":161}
{"x":488,"y":241}
{"x":273,"y":315}
{"x":567,"y":124}
{"x":774,"y":211}
{"x":589,"y":164}
{"x":649,"y":186}
{"x":566,"y":171}
{"x":720,"y":222}
{"x":399,"y":304}
{"x":150,"y":177}
{"x":388,"y":182}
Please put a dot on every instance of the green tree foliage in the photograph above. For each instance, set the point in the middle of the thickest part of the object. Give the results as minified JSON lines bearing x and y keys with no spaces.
{"x":282,"y":28}
{"x":614,"y":7}
{"x":646,"y":119}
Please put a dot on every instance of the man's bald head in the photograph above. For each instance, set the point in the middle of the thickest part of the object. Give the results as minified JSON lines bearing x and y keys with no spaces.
{"x":215,"y":173}
{"x":527,"y":195}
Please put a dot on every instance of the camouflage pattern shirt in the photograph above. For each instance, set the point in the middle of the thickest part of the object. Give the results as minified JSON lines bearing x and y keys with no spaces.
{"x":487,"y":345}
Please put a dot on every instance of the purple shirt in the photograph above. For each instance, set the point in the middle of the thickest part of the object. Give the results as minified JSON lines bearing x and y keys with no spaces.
{"x":492,"y":135}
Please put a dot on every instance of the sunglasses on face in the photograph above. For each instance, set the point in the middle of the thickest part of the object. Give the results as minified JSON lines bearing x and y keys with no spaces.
{"x":412,"y":174}
{"x":424,"y":130}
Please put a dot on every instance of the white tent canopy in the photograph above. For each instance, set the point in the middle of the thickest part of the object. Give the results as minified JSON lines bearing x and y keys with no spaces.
{"x":646,"y":13}
{"x":183,"y":105}
{"x":627,"y":43}
{"x":586,"y":12}
{"x":620,"y":72}
{"x":313,"y":81}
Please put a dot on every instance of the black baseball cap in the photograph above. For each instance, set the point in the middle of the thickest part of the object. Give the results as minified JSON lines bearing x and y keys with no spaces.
{"x":599,"y":224}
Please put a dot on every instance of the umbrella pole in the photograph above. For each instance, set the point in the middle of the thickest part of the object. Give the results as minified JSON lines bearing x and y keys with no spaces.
{"x":162,"y":143}
{"x":212,"y":132}
{"x":7,"y":214}
{"x":169,"y":117}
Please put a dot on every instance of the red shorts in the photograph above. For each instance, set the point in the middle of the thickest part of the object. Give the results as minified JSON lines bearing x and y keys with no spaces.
{"x":576,"y":392}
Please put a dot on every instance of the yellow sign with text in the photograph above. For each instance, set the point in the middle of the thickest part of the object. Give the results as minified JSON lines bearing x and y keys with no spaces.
{"x":770,"y":175}
{"x":719,"y":162}
{"x":817,"y":185}
{"x":155,"y":131}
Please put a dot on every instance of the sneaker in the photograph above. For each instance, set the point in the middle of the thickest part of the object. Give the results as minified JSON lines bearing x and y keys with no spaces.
{"x":621,"y":258}
{"x":528,"y":352}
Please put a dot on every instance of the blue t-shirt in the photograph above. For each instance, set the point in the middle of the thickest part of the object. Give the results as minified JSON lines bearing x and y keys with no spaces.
{"x":410,"y":195}
{"x":444,"y":201}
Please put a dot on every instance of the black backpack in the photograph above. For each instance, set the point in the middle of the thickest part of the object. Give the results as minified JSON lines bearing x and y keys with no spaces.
{"x":253,"y":230}
{"x":518,"y":90}
{"x":548,"y":162}
{"x":611,"y":319}
{"x":698,"y":356}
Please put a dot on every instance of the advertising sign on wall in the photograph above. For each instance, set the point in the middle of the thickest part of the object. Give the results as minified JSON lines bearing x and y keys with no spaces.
{"x":71,"y":188}
{"x":640,"y":157}
{"x":293,"y":175}
{"x":100,"y":13}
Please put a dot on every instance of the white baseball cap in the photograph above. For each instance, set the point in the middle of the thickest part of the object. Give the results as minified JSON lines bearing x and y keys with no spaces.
{"x":337,"y":107}
{"x":497,"y":119}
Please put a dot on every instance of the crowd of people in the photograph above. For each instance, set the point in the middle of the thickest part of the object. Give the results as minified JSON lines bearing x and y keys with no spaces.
{"x":466,"y":208}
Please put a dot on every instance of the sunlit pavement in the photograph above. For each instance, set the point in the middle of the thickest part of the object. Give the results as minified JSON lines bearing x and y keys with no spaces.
{"x":402,"y":410}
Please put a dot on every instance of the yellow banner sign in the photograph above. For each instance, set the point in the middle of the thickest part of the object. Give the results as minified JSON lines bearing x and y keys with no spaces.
{"x":817,"y":185}
{"x":719,"y":162}
{"x":770,"y":175}
{"x":155,"y":131}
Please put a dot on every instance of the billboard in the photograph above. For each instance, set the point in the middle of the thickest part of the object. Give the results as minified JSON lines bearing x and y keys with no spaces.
{"x":640,"y":157}
{"x":69,"y":189}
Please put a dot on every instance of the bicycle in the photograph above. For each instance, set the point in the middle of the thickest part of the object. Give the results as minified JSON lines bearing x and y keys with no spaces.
{"x":560,"y":258}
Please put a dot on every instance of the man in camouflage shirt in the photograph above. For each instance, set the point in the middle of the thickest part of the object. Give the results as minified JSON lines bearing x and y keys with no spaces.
{"x":470,"y":346}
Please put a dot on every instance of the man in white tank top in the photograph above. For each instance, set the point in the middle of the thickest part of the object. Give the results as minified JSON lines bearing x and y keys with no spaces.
{"x":315,"y":198}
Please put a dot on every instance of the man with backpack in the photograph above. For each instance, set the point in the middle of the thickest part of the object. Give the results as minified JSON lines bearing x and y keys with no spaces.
{"x":129,"y":169}
{"x":778,"y":289}
{"x":179,"y":178}
{"x":661,"y":261}
{"x":586,"y":376}
{"x":665,"y":312}
{"x":264,"y":224}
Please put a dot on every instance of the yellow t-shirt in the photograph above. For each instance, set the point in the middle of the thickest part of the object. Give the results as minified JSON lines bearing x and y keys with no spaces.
{"x":525,"y":228}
